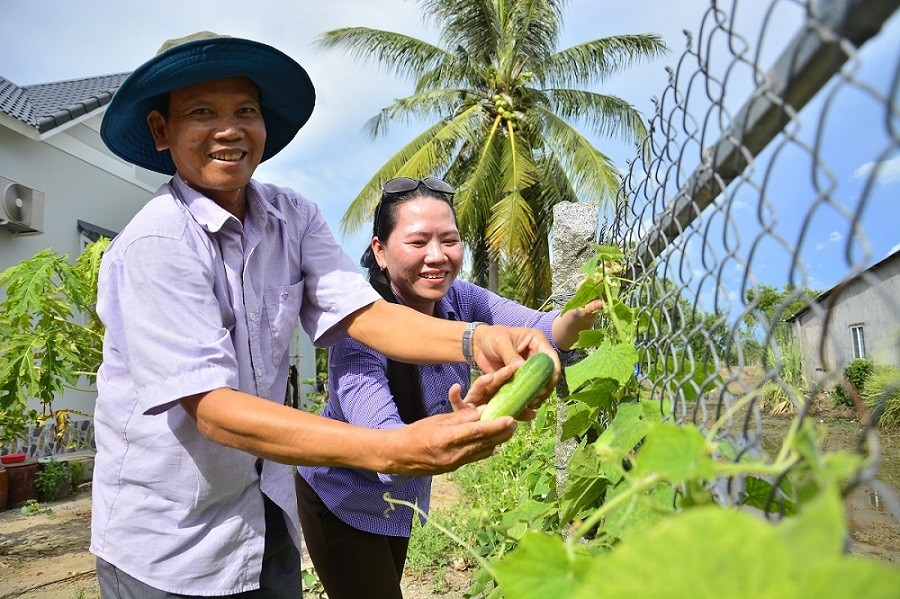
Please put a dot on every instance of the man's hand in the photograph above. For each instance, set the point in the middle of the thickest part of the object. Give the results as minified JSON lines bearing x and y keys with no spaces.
{"x":445,"y":442}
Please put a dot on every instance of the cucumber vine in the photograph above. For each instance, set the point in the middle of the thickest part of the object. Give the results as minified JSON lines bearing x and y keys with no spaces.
{"x":655,"y":507}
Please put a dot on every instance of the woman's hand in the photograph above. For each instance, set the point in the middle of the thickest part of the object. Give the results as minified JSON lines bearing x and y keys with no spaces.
{"x":444,"y":442}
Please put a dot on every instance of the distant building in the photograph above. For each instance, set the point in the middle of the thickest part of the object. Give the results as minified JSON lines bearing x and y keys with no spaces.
{"x":863,"y":321}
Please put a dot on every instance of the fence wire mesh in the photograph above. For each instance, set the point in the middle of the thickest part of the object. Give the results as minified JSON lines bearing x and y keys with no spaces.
{"x":761,"y":218}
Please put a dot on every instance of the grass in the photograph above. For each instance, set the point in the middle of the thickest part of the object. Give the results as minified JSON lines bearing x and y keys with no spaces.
{"x":490,"y":488}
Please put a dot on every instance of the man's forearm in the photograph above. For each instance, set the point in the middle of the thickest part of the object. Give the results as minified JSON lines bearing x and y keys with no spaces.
{"x":282,"y":434}
{"x":406,"y":335}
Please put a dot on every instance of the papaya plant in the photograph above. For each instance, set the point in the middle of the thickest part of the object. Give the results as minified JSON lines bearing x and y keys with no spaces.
{"x":50,"y":335}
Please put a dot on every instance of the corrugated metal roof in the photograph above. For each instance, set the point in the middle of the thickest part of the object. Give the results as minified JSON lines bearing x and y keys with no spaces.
{"x":48,"y":105}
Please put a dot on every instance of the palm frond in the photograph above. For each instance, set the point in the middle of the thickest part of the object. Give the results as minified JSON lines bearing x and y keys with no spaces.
{"x":469,"y":24}
{"x":592,"y":173}
{"x":424,"y":105}
{"x":399,"y":54}
{"x":607,"y":115}
{"x":510,"y":228}
{"x":593,"y":61}
{"x":363,"y":205}
{"x":482,"y":185}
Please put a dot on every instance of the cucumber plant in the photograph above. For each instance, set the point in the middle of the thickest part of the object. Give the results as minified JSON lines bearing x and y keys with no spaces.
{"x":640,"y":516}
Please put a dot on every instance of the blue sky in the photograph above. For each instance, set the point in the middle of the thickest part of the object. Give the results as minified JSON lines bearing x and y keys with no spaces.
{"x":332,"y":158}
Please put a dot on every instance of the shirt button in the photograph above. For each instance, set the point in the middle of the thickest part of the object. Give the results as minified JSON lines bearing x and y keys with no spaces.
{"x":259,"y":372}
{"x":253,"y":317}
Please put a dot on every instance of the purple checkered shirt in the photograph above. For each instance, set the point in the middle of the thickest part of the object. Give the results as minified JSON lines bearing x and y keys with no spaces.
{"x":359,"y":394}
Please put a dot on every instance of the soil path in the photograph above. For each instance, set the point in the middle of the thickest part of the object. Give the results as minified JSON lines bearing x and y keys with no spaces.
{"x":45,"y":556}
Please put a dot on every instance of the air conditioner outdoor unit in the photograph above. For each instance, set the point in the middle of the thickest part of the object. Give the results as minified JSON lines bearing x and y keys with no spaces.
{"x":21,"y":207}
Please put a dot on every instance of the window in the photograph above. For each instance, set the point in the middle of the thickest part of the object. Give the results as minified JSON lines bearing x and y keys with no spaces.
{"x":858,"y":340}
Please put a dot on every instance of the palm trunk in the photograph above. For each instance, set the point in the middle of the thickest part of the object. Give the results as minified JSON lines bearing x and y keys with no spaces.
{"x":494,"y":274}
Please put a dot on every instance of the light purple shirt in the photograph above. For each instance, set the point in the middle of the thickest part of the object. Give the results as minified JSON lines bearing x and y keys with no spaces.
{"x":194,"y":300}
{"x":359,"y":394}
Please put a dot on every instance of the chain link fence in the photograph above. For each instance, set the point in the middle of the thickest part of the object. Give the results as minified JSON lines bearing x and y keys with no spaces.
{"x":762,"y":225}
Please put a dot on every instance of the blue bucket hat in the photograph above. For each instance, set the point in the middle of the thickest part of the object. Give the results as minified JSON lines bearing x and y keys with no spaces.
{"x":286,"y":93}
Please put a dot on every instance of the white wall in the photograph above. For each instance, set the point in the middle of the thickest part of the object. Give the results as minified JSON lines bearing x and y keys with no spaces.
{"x":870,"y":301}
{"x":82,"y":180}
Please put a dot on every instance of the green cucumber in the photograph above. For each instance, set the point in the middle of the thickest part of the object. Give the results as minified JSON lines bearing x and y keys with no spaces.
{"x":521,"y":388}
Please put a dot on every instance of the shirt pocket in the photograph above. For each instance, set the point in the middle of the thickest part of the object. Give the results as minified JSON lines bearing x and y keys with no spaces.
{"x":282,"y":312}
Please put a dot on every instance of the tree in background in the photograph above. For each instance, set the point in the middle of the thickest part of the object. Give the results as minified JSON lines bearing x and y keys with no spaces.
{"x":768,"y":309}
{"x":50,"y":335}
{"x":504,"y":103}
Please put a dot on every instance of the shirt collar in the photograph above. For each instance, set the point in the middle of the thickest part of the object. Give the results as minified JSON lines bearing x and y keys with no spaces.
{"x":213,"y":217}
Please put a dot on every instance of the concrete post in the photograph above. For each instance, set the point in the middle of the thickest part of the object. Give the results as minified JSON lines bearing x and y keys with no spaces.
{"x":573,"y":233}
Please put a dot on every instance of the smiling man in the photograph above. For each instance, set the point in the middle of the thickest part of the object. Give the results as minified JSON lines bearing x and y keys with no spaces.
{"x":193,"y":487}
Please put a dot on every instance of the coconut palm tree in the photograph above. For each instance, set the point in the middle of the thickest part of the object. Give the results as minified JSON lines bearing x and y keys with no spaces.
{"x":503,"y":103}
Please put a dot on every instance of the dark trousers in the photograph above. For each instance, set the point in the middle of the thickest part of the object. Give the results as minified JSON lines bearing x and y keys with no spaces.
{"x":280,"y":577}
{"x":351,"y":563}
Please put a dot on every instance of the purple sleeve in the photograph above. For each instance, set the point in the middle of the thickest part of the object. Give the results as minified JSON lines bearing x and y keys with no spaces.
{"x":476,"y":303}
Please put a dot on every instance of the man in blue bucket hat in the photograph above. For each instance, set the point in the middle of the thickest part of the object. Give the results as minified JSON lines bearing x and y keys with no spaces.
{"x":193,"y":487}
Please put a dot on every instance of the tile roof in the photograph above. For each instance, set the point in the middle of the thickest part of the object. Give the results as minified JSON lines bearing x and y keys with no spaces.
{"x":48,"y":105}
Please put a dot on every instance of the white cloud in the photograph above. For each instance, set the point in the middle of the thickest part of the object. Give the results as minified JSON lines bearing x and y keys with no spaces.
{"x":888,"y":171}
{"x":833,"y":237}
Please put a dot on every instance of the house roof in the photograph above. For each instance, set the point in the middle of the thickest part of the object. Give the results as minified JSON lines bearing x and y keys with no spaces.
{"x":824,"y":295}
{"x":45,"y":106}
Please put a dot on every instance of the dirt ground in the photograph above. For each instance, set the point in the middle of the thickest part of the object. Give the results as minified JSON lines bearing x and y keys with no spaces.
{"x":45,"y":556}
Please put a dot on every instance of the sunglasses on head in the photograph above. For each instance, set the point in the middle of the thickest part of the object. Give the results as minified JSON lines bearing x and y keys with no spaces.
{"x":405,"y":184}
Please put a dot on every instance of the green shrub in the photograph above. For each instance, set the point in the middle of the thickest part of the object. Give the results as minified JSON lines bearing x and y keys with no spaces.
{"x":53,"y":480}
{"x":883,"y":385}
{"x":856,"y":373}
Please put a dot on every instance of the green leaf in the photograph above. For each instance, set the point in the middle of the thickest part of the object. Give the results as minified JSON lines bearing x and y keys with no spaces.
{"x":705,"y":553}
{"x":541,"y":567}
{"x":590,"y":338}
{"x":675,"y":453}
{"x":599,"y":393}
{"x":849,"y":577}
{"x":819,"y":530}
{"x":639,"y":515}
{"x":608,"y":361}
{"x":627,"y":429}
{"x":759,"y":495}
{"x":579,"y":419}
{"x":585,"y":482}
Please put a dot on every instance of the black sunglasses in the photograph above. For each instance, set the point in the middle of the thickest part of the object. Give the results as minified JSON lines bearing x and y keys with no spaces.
{"x":405,"y":184}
